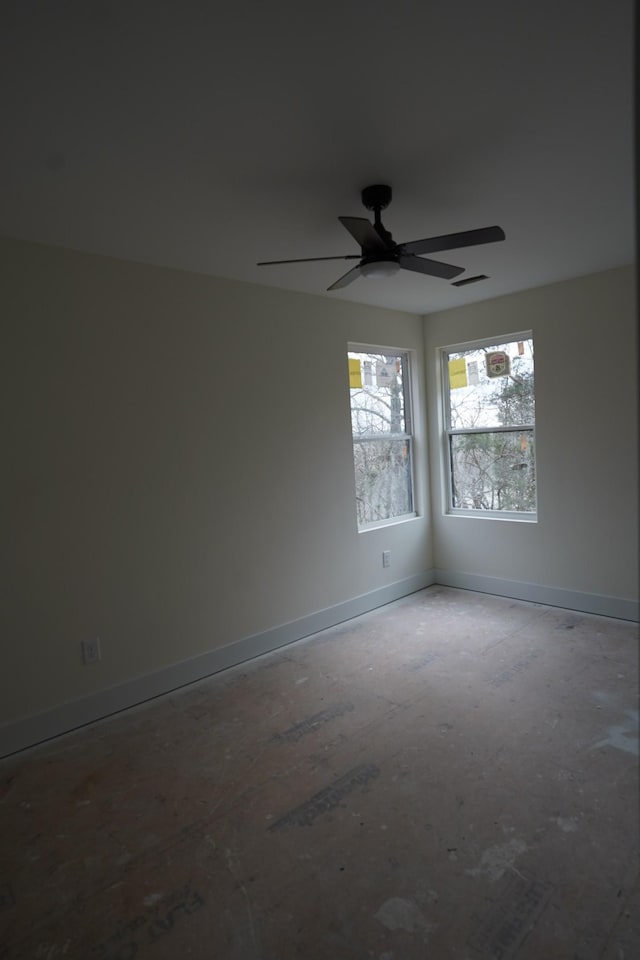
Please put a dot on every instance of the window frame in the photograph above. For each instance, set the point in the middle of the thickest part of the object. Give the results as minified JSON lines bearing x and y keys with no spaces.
{"x":521,"y":516}
{"x":407,"y":358}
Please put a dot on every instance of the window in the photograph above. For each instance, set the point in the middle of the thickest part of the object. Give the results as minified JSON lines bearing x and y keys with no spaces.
{"x":382,"y":434}
{"x":489,"y":409}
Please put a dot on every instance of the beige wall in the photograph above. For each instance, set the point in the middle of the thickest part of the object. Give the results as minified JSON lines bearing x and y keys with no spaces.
{"x":178,"y":468}
{"x":586,"y":537}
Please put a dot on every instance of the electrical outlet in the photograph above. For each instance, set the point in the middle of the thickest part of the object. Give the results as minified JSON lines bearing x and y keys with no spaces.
{"x":91,"y":651}
{"x":386,"y":558}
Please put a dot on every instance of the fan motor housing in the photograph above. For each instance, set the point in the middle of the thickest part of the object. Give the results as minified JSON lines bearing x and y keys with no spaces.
{"x":376,"y":197}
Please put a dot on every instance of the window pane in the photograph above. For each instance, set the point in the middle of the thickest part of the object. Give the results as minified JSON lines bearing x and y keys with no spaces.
{"x":378,"y":404}
{"x":494,"y":471}
{"x":383,"y":479}
{"x":485,"y":401}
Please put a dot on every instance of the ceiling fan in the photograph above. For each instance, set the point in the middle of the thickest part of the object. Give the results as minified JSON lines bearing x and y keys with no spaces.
{"x":380,"y":256}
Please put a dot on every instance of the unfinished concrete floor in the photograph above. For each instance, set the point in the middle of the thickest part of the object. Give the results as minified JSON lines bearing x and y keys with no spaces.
{"x":453,"y":775}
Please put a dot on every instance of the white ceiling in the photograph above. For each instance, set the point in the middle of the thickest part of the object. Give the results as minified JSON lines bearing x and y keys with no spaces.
{"x":208,"y":136}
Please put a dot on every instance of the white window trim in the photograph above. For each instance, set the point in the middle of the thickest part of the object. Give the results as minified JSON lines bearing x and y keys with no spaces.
{"x":448,"y":510}
{"x":410,"y":435}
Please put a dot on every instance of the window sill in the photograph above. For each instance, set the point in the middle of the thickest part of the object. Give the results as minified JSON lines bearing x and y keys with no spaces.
{"x":393,"y":521}
{"x":493,"y":515}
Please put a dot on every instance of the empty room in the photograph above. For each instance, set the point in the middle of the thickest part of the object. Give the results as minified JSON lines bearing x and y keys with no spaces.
{"x":320,"y":482}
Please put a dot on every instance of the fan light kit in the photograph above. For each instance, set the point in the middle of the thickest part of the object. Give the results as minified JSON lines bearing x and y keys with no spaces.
{"x":380,"y":256}
{"x":379,"y":268}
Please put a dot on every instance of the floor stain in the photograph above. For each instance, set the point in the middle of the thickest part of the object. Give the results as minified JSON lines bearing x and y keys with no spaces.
{"x":400,"y":914}
{"x":498,"y":859}
{"x":567,"y":824}
{"x":623,"y":736}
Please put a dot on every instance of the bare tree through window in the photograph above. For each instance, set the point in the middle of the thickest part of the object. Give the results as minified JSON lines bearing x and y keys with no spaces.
{"x":490,"y":426}
{"x":382,"y":436}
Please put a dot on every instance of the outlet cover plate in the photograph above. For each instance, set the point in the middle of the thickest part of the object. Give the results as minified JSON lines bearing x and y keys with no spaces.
{"x":91,"y":651}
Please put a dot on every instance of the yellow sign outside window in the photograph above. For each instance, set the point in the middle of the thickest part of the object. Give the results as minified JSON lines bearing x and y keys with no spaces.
{"x":457,"y":373}
{"x":355,"y":377}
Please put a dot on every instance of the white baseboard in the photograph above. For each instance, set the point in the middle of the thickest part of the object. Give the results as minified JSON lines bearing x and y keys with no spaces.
{"x":28,"y":731}
{"x":604,"y":606}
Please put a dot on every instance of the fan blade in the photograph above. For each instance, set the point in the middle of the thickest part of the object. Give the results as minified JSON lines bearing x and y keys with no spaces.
{"x":346,"y":278}
{"x":451,"y":241}
{"x":433,"y":267}
{"x":268,"y":263}
{"x":364,"y":233}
